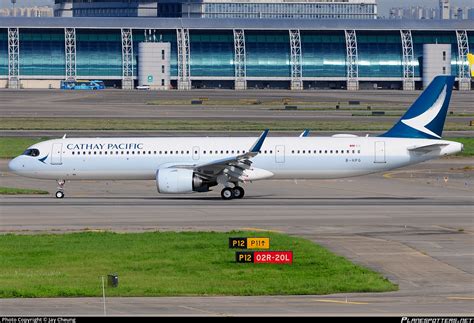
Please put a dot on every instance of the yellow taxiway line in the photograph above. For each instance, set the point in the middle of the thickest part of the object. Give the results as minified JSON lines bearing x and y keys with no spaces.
{"x":339,"y":302}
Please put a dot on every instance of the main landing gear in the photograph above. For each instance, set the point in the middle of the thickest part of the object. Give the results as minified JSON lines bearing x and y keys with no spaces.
{"x":229,"y":193}
{"x":60,"y":192}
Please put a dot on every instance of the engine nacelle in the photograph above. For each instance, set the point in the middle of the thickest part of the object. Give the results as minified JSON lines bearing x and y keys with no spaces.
{"x":177,"y":180}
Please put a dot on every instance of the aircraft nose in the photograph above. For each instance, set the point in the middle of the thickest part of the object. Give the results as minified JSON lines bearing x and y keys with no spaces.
{"x":14,"y":165}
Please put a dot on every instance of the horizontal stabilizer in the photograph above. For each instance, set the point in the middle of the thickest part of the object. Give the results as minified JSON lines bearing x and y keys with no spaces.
{"x":427,"y":148}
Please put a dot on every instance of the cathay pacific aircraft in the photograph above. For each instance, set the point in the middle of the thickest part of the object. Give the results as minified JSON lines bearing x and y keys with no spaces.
{"x":186,"y":165}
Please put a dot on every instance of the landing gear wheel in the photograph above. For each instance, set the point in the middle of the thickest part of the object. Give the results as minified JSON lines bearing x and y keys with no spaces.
{"x":238,"y":192}
{"x":227,"y":193}
{"x":59,"y":194}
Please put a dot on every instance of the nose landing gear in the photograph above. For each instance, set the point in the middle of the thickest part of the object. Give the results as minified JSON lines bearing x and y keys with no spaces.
{"x":60,"y":192}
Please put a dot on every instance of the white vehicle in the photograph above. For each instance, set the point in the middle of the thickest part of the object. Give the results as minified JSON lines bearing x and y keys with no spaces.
{"x":143,"y":87}
{"x":186,"y":165}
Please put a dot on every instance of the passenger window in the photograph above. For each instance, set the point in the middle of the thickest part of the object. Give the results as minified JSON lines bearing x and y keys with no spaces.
{"x":73,"y":153}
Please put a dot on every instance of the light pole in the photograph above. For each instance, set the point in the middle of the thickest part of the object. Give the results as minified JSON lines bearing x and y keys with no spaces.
{"x":13,"y":6}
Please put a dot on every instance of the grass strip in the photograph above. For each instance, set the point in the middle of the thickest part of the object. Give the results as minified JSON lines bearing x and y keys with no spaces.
{"x":199,"y":125}
{"x":19,"y":191}
{"x":171,"y":264}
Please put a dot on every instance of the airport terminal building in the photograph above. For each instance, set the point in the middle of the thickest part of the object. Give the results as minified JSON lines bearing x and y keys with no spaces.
{"x":186,"y":53}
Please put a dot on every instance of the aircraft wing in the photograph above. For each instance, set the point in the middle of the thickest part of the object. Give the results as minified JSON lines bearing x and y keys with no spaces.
{"x":305,"y":133}
{"x":232,"y":167}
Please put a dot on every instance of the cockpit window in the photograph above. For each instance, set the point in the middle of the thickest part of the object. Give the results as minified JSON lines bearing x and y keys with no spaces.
{"x":32,"y":152}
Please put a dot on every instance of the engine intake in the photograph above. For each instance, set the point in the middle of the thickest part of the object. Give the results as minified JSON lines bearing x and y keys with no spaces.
{"x":177,"y":180}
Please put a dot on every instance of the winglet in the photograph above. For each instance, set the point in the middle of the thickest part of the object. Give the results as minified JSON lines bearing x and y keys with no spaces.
{"x":64,"y":137}
{"x":305,"y":133}
{"x":258,"y":144}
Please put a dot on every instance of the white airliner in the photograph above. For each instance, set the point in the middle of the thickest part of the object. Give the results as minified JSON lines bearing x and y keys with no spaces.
{"x":186,"y":165}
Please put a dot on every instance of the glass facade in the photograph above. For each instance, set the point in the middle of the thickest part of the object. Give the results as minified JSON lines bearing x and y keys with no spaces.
{"x":380,"y":54}
{"x":212,"y":53}
{"x":98,"y":52}
{"x":268,"y":53}
{"x":105,"y":12}
{"x":3,"y":51}
{"x":324,"y":54}
{"x":42,"y":52}
{"x":435,"y":37}
{"x":289,"y":10}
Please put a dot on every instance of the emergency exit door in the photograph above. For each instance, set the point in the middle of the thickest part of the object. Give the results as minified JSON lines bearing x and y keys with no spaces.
{"x":280,"y":154}
{"x":379,"y":152}
{"x":57,"y":154}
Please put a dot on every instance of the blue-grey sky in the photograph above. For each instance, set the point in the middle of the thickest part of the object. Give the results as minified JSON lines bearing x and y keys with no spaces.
{"x":383,"y":5}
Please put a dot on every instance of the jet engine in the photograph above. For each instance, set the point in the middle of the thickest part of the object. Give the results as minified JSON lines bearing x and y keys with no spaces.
{"x":177,"y":180}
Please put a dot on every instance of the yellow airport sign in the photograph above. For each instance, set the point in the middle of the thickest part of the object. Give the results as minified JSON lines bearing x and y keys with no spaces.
{"x":470,"y":59}
{"x":258,"y":243}
{"x":249,"y":243}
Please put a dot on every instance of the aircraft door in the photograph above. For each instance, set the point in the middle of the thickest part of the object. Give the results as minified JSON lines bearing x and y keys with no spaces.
{"x":379,"y":152}
{"x":57,"y":154}
{"x":280,"y":154}
{"x":196,"y":153}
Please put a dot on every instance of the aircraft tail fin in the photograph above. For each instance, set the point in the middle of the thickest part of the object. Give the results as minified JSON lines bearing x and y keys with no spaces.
{"x":426,"y":116}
